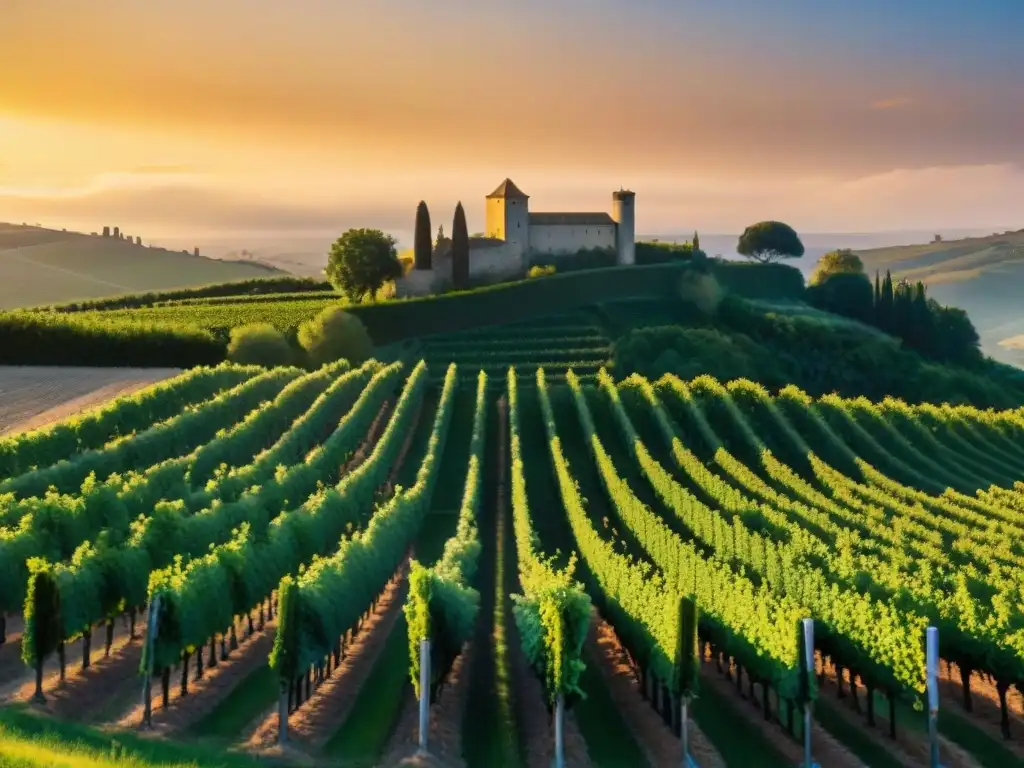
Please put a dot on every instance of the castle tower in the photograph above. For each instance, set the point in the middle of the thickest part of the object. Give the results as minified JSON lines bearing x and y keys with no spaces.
{"x":623,"y":209}
{"x":508,"y":216}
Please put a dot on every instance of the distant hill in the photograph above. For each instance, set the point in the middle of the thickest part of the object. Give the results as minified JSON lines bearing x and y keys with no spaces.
{"x":982,"y":275}
{"x":46,"y":266}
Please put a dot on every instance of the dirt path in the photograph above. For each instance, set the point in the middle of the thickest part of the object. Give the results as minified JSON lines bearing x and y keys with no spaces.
{"x":86,"y":695}
{"x":316,"y":721}
{"x":536,"y":726}
{"x":911,"y":745}
{"x":986,"y":713}
{"x":217,"y":683}
{"x":444,"y":737}
{"x":34,"y":396}
{"x":654,"y":737}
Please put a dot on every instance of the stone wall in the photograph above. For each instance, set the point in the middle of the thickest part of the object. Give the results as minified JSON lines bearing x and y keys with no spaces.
{"x":568,"y":238}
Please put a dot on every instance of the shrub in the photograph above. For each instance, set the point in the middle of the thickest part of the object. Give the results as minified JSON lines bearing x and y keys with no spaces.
{"x":259,"y":344}
{"x":541,"y":270}
{"x":687,"y":352}
{"x":335,"y":334}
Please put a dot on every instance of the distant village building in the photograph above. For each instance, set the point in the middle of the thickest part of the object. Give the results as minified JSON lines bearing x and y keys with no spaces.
{"x":515,"y":236}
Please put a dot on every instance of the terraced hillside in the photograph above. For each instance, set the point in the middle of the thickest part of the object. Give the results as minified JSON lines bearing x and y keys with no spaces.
{"x":291,"y":535}
{"x":573,"y":340}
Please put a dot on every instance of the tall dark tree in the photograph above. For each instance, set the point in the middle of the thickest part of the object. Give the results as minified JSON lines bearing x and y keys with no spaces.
{"x":460,"y":249}
{"x":878,"y":288}
{"x":885,"y":307}
{"x":422,"y":245}
{"x":696,"y":241}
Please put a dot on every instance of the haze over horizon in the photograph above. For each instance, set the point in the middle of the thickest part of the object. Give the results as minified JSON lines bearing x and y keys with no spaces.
{"x":176,"y":117}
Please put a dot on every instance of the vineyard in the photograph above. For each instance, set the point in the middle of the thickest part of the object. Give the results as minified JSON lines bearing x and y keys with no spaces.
{"x":248,"y":561}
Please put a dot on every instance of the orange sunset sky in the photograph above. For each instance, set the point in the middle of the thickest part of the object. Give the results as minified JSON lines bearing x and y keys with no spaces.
{"x":315,"y":115}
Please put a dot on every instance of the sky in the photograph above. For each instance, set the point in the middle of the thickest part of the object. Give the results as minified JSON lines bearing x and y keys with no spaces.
{"x":170,"y":117}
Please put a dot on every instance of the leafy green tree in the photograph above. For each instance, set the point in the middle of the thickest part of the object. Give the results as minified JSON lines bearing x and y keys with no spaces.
{"x":335,"y":334}
{"x":842,"y":261}
{"x":361,"y":261}
{"x":769,"y":241}
{"x":259,"y":344}
{"x":460,"y":250}
{"x":422,"y":246}
{"x":844,"y":293}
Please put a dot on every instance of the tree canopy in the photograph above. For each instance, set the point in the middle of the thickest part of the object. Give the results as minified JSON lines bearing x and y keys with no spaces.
{"x":838,"y":262}
{"x":769,"y":241}
{"x":361,"y":261}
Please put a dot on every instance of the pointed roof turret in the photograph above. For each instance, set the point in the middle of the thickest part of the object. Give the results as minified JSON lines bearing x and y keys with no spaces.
{"x":508,"y":189}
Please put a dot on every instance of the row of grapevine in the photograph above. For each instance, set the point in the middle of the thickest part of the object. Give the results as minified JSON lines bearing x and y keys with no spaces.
{"x":262,"y":427}
{"x":103,"y":579}
{"x":175,"y":437}
{"x":201,"y":599}
{"x":922,"y":559}
{"x":123,"y":416}
{"x":55,"y":526}
{"x":850,"y":622}
{"x":442,"y":605}
{"x":553,"y":612}
{"x":747,"y":622}
{"x":325,"y":602}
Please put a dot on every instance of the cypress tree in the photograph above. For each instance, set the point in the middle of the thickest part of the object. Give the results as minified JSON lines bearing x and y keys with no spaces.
{"x":878,"y":289}
{"x":886,"y":305}
{"x":696,"y":241}
{"x":460,"y":250}
{"x":422,"y":246}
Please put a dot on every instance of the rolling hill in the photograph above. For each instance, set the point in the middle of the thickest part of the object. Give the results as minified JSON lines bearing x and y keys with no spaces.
{"x":44,"y":266}
{"x":983,"y":275}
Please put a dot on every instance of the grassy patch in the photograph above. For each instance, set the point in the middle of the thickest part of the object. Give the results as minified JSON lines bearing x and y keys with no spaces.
{"x":364,"y":734}
{"x":852,"y":737}
{"x":983,"y":748}
{"x":254,"y":695}
{"x":28,"y":740}
{"x":722,"y":722}
{"x":609,"y":741}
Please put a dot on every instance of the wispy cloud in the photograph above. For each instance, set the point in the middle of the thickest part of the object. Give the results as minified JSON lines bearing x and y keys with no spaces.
{"x":897,"y":102}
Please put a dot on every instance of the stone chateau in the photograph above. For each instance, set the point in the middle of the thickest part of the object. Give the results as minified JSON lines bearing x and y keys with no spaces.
{"x":516,"y":236}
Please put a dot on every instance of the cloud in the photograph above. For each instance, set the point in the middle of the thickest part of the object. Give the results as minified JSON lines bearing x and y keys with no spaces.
{"x":897,"y":102}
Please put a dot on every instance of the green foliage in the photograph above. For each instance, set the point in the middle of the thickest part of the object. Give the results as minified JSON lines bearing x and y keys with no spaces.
{"x":442,"y":605}
{"x":335,"y":334}
{"x":49,"y":338}
{"x":240,"y":288}
{"x":361,"y":261}
{"x":335,"y":591}
{"x":768,"y":241}
{"x":423,"y":248}
{"x":553,"y":613}
{"x":686,"y":352}
{"x":541,"y":270}
{"x":41,"y":614}
{"x":840,"y":262}
{"x":250,"y":567}
{"x":259,"y":344}
{"x":844,"y":293}
{"x":460,"y":250}
{"x":689,"y":653}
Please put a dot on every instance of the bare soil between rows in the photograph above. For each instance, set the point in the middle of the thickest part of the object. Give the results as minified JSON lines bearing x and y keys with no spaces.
{"x":35,"y":396}
{"x":316,"y":721}
{"x":652,"y":734}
